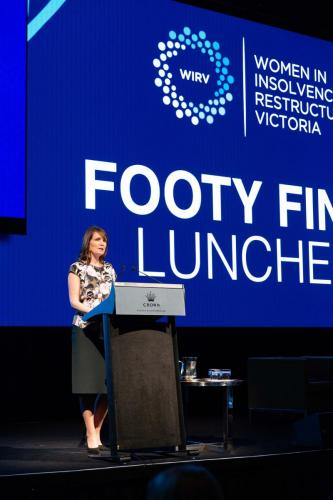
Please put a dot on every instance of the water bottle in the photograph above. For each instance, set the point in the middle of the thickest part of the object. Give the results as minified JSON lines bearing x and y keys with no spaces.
{"x":230,"y":396}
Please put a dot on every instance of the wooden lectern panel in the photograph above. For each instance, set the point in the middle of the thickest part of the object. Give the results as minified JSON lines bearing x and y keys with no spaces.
{"x":145,"y":389}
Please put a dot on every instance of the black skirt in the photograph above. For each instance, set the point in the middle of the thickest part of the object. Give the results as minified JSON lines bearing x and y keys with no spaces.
{"x":88,"y":365}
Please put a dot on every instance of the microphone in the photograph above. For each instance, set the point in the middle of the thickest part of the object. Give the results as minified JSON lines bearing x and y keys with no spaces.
{"x":134,"y":268}
{"x":122,"y":270}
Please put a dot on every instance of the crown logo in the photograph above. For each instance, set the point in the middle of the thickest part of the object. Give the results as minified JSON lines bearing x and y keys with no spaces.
{"x":150,"y":296}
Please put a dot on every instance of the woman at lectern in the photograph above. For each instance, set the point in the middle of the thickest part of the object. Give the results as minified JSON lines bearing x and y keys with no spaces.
{"x":89,"y":283}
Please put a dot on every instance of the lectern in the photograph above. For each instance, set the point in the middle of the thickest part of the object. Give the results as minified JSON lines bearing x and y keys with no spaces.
{"x":141,"y":361}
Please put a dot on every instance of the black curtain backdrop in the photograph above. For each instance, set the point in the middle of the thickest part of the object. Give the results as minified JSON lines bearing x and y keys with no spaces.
{"x":35,"y":368}
{"x":312,"y":20}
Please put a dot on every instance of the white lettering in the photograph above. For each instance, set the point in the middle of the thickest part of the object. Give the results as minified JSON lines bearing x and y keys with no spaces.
{"x":142,"y":270}
{"x":256,"y":279}
{"x":216,"y":181}
{"x":195,"y":76}
{"x":324,"y":205}
{"x":319,"y":262}
{"x":231,"y":269}
{"x":281,"y":259}
{"x":193,"y":209}
{"x":125,"y":189}
{"x":247,"y":199}
{"x":285,"y":205}
{"x":196,"y":269}
{"x":92,"y":185}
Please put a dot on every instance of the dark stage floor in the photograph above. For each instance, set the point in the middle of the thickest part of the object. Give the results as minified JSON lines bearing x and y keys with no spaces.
{"x":45,"y":460}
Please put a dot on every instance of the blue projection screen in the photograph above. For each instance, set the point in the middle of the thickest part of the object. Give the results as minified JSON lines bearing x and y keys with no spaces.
{"x":12,"y":116}
{"x":202,"y":143}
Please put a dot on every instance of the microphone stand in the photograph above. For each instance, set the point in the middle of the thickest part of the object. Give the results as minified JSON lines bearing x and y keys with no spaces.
{"x":135,"y":269}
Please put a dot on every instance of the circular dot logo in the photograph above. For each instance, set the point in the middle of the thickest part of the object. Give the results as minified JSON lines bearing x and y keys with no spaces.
{"x":199,"y":112}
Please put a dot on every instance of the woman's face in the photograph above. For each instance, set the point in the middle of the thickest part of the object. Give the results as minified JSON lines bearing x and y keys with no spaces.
{"x":97,"y":245}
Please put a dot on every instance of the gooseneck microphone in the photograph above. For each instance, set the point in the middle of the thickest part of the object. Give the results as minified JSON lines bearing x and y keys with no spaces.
{"x":122,"y":271}
{"x":135,"y":269}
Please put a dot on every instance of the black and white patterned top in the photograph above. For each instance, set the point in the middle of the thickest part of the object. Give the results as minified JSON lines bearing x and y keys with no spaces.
{"x":95,"y":286}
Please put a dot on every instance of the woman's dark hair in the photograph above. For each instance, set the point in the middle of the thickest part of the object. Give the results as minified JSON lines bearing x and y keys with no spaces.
{"x":184,"y":482}
{"x":85,"y":255}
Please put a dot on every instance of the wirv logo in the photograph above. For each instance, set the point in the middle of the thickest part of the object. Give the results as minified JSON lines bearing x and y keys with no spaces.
{"x":194,"y":76}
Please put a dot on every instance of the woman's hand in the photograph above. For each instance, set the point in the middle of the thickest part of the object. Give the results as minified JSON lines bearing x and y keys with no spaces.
{"x":74,"y":293}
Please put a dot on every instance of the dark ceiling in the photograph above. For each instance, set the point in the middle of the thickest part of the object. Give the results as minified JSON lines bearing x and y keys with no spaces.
{"x":308,"y":18}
